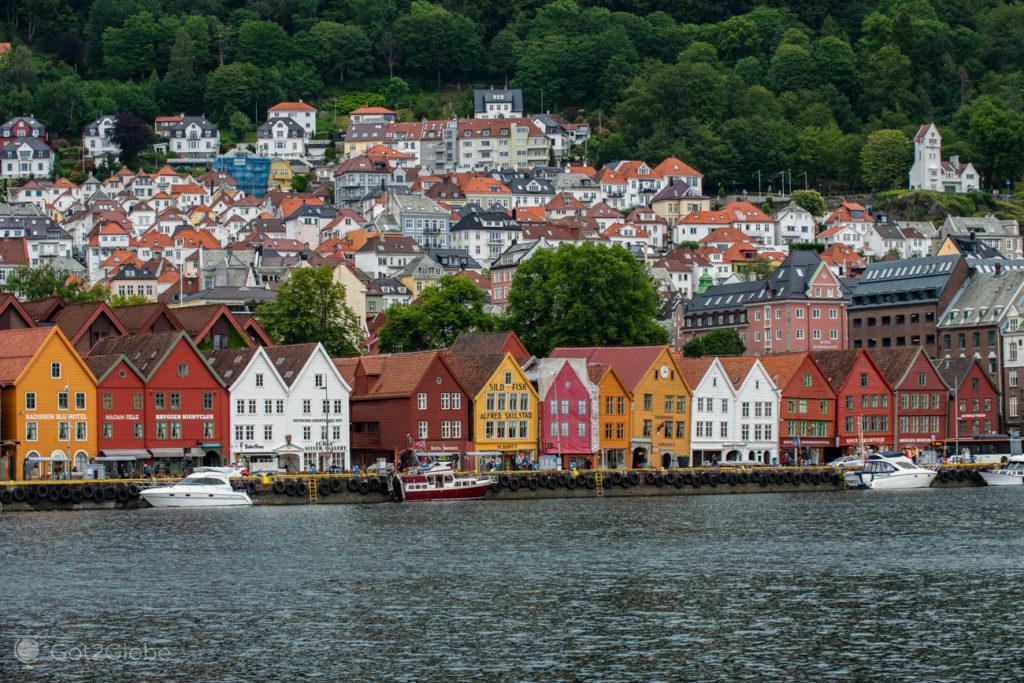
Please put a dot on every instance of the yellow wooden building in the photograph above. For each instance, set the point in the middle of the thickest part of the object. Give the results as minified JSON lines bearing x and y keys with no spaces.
{"x":660,"y":431}
{"x":47,"y":406}
{"x":504,"y":405}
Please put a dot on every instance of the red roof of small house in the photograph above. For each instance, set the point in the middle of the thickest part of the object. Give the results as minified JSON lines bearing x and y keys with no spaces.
{"x":673,"y":166}
{"x":371,"y":110}
{"x":292,"y":106}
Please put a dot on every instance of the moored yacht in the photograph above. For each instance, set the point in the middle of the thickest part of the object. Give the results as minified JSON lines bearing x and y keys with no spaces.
{"x":206,"y":487}
{"x":437,"y":482}
{"x":1012,"y":474}
{"x":890,"y":470}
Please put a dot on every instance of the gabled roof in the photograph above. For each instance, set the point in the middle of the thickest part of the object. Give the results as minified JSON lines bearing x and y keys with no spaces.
{"x":693,"y":369}
{"x":11,"y":301}
{"x":292,"y":106}
{"x":631,"y":363}
{"x":894,"y":364}
{"x":139,"y":318}
{"x":737,"y":368}
{"x":147,"y":352}
{"x":672,"y":167}
{"x":230,"y":363}
{"x":17,"y":349}
{"x":289,"y":359}
{"x":102,"y":365}
{"x":473,"y":370}
{"x":482,"y":343}
{"x":396,"y":375}
{"x":197,"y":320}
{"x":74,"y":320}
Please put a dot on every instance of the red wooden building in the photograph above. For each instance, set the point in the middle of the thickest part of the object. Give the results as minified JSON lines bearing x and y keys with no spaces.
{"x":920,"y":398}
{"x":181,"y":404}
{"x":973,"y":398}
{"x":402,"y":402}
{"x":864,"y":411}
{"x":807,"y":411}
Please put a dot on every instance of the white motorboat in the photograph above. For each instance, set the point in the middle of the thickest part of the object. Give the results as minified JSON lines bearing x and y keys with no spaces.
{"x":206,"y":487}
{"x":890,"y":470}
{"x":1010,"y":475}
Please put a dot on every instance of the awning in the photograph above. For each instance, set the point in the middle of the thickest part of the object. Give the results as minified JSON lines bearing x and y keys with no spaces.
{"x":120,"y":454}
{"x":196,"y":453}
{"x":54,"y":458}
{"x":115,"y":458}
{"x":167,"y":452}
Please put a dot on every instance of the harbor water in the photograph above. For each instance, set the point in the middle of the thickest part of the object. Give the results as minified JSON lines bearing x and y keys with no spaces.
{"x":916,"y":585}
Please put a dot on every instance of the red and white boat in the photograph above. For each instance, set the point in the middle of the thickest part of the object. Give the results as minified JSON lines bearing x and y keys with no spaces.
{"x":437,"y":482}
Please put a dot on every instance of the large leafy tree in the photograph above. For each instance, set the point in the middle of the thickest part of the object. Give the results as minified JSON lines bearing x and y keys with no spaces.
{"x":589,"y":295}
{"x":723,"y":342}
{"x":132,"y":135}
{"x":438,"y":43}
{"x":342,"y":49}
{"x":310,"y":307}
{"x":453,"y":306}
{"x":42,"y":282}
{"x":885,"y":159}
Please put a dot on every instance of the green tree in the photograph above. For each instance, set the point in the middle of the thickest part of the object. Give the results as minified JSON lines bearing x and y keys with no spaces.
{"x":342,"y":49}
{"x":885,"y":159}
{"x":300,"y":182}
{"x":438,"y":43}
{"x":721,"y":342}
{"x":310,"y":307}
{"x":262,"y":42}
{"x":995,"y":136}
{"x":887,"y":80}
{"x":41,"y":282}
{"x":792,"y":68}
{"x":811,"y":200}
{"x":453,"y":306}
{"x":583,"y":296}
{"x":119,"y":300}
{"x":130,"y":51}
{"x":240,"y":86}
{"x":240,"y":124}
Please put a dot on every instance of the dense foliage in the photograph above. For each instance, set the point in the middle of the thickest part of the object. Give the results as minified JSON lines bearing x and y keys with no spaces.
{"x":735,"y":87}
{"x":42,"y":282}
{"x":310,"y":307}
{"x":589,"y":295}
{"x":723,"y":342}
{"x":440,"y":314}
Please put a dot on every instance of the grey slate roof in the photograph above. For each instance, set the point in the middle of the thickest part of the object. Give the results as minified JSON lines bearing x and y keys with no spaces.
{"x":912,"y":281}
{"x":482,"y":97}
{"x":676,"y":190}
{"x":983,"y":300}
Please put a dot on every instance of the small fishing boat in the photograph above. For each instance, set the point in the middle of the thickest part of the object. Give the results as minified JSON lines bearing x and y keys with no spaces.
{"x":437,"y":482}
{"x":206,"y":487}
{"x":890,"y":470}
{"x":1012,"y":474}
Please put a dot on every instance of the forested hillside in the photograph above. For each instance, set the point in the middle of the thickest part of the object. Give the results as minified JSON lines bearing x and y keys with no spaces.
{"x":732,"y":86}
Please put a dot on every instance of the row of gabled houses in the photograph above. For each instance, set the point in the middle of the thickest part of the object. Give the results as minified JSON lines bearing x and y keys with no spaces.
{"x":158,"y":399}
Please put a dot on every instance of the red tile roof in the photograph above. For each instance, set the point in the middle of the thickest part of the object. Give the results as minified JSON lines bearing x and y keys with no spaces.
{"x":17,"y":349}
{"x":631,"y":363}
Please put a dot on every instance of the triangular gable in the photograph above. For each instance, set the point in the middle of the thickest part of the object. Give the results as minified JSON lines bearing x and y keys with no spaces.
{"x":11,"y":302}
{"x":42,"y":348}
{"x":928,"y":363}
{"x":222,"y":312}
{"x":260,"y":353}
{"x":121,"y":359}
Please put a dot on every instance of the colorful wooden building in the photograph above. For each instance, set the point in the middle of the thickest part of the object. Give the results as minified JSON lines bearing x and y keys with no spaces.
{"x":48,"y":405}
{"x":568,"y":400}
{"x":503,"y":406}
{"x":406,"y":402}
{"x":615,"y":419}
{"x":920,"y":397}
{"x":807,"y":408}
{"x":864,"y":413}
{"x":973,"y":399}
{"x":183,"y":404}
{"x":661,"y":399}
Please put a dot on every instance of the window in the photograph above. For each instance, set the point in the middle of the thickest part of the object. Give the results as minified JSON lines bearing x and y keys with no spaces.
{"x":445,"y":401}
{"x":669,"y":402}
{"x":79,"y":400}
{"x":421,"y":401}
{"x":799,"y":314}
{"x":581,"y":428}
{"x":849,"y":402}
{"x":457,"y":404}
{"x":137,"y":401}
{"x":81,"y":431}
{"x":268,"y":432}
{"x":208,"y":430}
{"x":307,"y":406}
{"x":680,"y":404}
{"x":252,"y":406}
{"x":1011,"y":378}
{"x":581,"y":408}
{"x":423,"y":429}
{"x":62,"y":400}
{"x":648,"y":403}
{"x":307,"y":433}
{"x":139,"y":431}
{"x":161,"y":430}
{"x":863,"y":379}
{"x":325,"y":406}
{"x":32,"y":431}
{"x":259,"y":379}
{"x":159,"y":401}
{"x":108,"y":430}
{"x":318,"y":380}
{"x":183,"y":370}
{"x":508,"y":378}
{"x":268,"y":406}
{"x":723,"y":430}
{"x":175,"y":400}
{"x":54,"y":370}
{"x":208,"y":400}
{"x":647,"y":428}
{"x":30,"y":400}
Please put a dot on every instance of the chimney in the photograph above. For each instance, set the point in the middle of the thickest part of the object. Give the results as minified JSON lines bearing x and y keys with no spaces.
{"x":999,"y":269}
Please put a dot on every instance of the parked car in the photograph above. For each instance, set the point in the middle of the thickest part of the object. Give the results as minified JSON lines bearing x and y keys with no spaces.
{"x":848,"y":462}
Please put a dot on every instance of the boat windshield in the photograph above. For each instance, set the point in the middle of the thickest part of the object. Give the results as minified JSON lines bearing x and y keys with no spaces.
{"x":878,"y":467}
{"x":1015,"y":467}
{"x":202,"y":481}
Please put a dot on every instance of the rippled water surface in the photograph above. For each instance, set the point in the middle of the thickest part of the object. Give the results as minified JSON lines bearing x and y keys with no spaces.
{"x":919,"y":585}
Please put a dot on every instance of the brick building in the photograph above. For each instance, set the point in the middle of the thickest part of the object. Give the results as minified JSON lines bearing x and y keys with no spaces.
{"x":897,"y":303}
{"x":800,"y":307}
